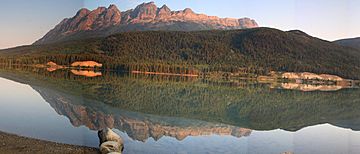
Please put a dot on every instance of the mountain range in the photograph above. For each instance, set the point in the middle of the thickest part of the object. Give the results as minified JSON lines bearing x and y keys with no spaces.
{"x":146,"y":16}
{"x":158,"y":36}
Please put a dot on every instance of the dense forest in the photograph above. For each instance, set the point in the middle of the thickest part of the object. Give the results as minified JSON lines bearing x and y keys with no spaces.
{"x":219,"y":50}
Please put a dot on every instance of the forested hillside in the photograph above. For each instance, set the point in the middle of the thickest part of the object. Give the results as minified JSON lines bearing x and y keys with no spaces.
{"x":264,"y":48}
{"x":353,"y":42}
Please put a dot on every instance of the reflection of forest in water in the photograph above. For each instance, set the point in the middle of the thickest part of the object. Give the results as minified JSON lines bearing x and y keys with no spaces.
{"x":138,"y":126}
{"x":246,"y":104}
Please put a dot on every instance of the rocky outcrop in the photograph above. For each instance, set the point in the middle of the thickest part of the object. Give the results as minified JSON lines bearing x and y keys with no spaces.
{"x":50,"y":66}
{"x":147,"y":16}
{"x":306,"y":81}
{"x":86,"y":64}
{"x":311,"y":76}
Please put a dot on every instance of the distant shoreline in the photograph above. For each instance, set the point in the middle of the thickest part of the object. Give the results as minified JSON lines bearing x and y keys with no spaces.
{"x":10,"y":143}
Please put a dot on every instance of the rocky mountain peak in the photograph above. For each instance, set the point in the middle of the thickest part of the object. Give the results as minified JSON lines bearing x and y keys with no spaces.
{"x":113,"y":7}
{"x":99,"y":18}
{"x":188,"y":11}
{"x":146,"y":16}
{"x":113,"y":15}
{"x":165,"y":7}
{"x":145,"y":11}
{"x":82,"y":12}
{"x":98,"y":10}
{"x":247,"y":23}
{"x":163,"y":12}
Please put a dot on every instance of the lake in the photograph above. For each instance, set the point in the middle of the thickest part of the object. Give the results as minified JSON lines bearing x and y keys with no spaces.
{"x":162,"y":114}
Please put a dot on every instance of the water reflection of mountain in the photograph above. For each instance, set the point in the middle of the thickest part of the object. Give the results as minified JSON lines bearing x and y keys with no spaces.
{"x":256,"y":106}
{"x":96,"y":116}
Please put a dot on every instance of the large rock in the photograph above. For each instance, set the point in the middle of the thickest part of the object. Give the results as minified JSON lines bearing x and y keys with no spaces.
{"x":108,"y":135}
{"x":110,"y":147}
{"x":110,"y":141}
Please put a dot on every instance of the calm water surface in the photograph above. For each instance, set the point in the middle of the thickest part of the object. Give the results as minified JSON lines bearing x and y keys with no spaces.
{"x":178,"y":116}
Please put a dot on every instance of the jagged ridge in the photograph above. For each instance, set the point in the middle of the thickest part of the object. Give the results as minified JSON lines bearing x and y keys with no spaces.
{"x":147,"y":16}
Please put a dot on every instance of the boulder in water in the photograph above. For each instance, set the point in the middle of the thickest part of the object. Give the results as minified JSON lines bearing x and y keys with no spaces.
{"x":110,"y":147}
{"x":110,"y":141}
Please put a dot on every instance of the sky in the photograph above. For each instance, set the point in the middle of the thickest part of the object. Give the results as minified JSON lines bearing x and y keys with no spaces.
{"x":25,"y":21}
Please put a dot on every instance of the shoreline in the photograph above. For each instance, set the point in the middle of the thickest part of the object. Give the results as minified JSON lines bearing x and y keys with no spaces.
{"x":11,"y":143}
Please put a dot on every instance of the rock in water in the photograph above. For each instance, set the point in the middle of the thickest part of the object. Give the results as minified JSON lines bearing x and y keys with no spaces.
{"x":108,"y":135}
{"x":110,"y":141}
{"x":110,"y":147}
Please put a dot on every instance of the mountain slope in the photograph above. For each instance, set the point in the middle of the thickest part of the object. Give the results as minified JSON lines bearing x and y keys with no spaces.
{"x":147,"y":16}
{"x":266,"y":48}
{"x":353,"y":42}
{"x":258,"y":47}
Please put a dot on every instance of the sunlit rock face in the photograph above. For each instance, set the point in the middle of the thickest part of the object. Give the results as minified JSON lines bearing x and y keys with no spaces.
{"x":311,"y":76}
{"x":149,"y":12}
{"x":86,"y":64}
{"x":146,"y":16}
{"x":89,"y":20}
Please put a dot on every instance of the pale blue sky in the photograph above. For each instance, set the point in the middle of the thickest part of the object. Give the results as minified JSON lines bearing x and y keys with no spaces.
{"x":24,"y":21}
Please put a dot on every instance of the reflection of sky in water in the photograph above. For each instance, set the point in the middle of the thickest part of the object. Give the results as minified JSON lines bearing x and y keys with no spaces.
{"x":23,"y":111}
